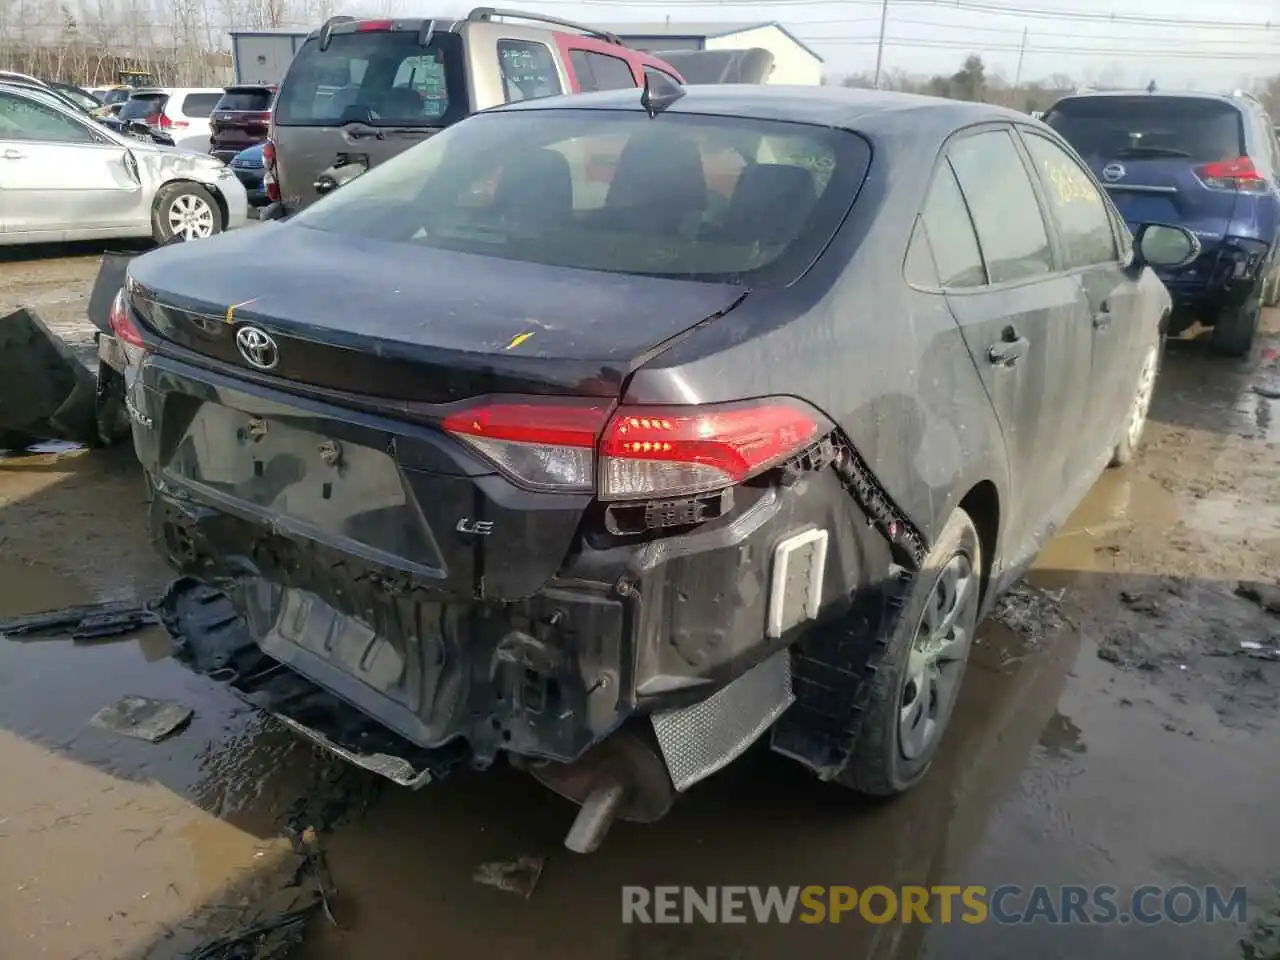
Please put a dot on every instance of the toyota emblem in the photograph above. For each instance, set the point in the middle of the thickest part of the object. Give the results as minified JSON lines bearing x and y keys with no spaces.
{"x":257,"y":347}
{"x":1113,"y":172}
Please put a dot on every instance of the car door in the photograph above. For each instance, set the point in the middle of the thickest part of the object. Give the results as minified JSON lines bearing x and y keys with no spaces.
{"x":59,"y":176}
{"x":1019,"y":323}
{"x":1091,"y":252}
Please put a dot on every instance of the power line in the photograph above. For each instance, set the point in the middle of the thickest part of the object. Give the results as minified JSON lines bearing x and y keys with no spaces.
{"x":981,"y":47}
{"x":973,"y":6}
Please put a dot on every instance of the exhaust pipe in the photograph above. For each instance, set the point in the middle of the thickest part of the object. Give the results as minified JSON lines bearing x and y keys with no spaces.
{"x":624,"y":777}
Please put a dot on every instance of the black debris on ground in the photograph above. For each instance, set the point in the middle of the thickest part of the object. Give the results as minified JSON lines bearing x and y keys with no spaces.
{"x":1030,"y":612}
{"x":519,"y":876}
{"x":46,"y":393}
{"x":1265,"y":595}
{"x":90,"y":622}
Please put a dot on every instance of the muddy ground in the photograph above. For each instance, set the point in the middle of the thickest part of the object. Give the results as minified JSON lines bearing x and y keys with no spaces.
{"x":1123,"y":735}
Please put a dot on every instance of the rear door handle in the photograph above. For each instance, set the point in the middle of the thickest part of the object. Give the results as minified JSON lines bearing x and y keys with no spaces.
{"x":1102,"y":319}
{"x":1007,"y":352}
{"x":12,"y":154}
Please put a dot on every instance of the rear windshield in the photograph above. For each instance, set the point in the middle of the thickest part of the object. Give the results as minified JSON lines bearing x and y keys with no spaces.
{"x":382,"y":78}
{"x":115,"y":96}
{"x":695,"y":197}
{"x":144,"y":105}
{"x":1194,"y":128}
{"x":253,"y":100}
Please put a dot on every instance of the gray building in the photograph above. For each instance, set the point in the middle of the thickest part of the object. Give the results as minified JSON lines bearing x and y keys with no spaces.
{"x":262,"y":56}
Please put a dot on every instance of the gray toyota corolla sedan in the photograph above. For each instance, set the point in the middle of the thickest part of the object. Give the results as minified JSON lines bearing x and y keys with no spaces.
{"x":618,"y":432}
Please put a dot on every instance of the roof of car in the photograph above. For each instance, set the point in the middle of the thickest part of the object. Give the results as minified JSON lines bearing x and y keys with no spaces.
{"x":1178,"y":94}
{"x":843,"y":107}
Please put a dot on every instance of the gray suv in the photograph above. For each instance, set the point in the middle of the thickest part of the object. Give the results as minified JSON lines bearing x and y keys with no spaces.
{"x":358,"y":92}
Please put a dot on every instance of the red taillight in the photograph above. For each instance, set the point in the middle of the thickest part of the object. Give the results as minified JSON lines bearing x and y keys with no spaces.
{"x":677,"y":451}
{"x":547,"y":444}
{"x":269,"y":180}
{"x":1238,"y":174}
{"x":159,"y":120}
{"x":644,"y":452}
{"x":373,"y":26}
{"x":122,"y":324}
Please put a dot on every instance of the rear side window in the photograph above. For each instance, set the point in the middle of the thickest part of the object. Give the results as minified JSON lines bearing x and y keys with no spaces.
{"x":1077,"y":204}
{"x":1003,"y":204}
{"x":615,"y":192}
{"x":949,"y":230}
{"x":381,"y":78}
{"x":199,"y":105}
{"x":1153,"y":127}
{"x":650,"y":72}
{"x":528,"y":70}
{"x":599,"y":71}
{"x":247,"y":101}
{"x":144,"y":105}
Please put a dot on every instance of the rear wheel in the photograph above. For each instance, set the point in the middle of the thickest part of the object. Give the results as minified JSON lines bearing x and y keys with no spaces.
{"x":184,"y":211}
{"x":917,"y":680}
{"x":1136,"y":421}
{"x":1235,"y":329}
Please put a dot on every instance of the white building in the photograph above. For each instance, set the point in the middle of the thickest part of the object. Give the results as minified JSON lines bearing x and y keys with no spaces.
{"x":793,"y":61}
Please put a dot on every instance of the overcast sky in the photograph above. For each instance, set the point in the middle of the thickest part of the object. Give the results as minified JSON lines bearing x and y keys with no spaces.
{"x":1178,"y":43}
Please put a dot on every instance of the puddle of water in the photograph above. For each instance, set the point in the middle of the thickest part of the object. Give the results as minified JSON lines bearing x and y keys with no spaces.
{"x":1120,"y":501}
{"x":43,"y":447}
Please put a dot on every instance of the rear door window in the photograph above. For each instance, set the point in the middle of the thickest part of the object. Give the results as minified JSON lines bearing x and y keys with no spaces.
{"x":245,"y":101}
{"x":199,"y":105}
{"x":1003,"y":204}
{"x":528,"y":70}
{"x":1077,"y":204}
{"x":383,"y":78}
{"x":1199,"y":129}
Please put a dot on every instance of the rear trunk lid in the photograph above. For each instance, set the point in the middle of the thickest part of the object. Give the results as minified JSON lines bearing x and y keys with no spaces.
{"x":1146,"y":151}
{"x":376,"y":89}
{"x":404,"y":324}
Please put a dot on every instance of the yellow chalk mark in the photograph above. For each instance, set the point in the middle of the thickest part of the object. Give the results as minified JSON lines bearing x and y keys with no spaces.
{"x":518,"y":339}
{"x":231,"y":310}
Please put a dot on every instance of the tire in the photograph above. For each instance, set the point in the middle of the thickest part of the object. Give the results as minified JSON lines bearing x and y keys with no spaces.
{"x":887,"y":758}
{"x":184,"y":211}
{"x":1235,"y":330}
{"x":1136,"y":421}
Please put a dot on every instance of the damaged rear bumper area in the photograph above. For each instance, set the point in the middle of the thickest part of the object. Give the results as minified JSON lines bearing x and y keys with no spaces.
{"x":326,"y":563}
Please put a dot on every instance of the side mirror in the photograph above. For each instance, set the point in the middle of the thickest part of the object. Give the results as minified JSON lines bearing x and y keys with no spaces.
{"x":138,"y":128}
{"x":1164,"y":245}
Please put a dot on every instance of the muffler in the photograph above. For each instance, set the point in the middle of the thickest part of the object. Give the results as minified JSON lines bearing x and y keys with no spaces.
{"x":624,"y":777}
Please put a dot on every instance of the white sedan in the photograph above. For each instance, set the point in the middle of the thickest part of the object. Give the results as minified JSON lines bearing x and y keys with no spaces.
{"x":65,"y":177}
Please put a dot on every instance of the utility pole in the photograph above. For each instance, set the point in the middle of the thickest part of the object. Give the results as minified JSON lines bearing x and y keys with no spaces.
{"x":884,"y":17}
{"x":1022,"y":52}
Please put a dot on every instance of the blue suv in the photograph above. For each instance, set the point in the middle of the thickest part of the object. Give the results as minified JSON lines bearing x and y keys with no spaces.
{"x":1207,"y":162}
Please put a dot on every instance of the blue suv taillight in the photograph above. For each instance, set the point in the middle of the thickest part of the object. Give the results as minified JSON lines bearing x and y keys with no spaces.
{"x":1239,"y":175}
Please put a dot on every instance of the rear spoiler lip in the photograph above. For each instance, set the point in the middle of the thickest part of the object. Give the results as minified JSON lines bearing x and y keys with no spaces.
{"x":345,"y":24}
